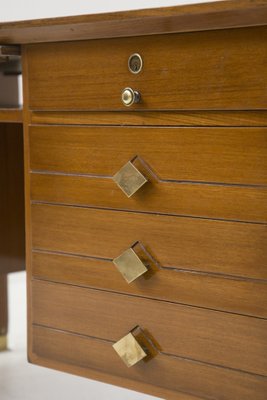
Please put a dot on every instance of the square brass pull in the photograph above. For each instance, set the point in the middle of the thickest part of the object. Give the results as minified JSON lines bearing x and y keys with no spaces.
{"x":129,"y":350}
{"x":130,"y":265}
{"x":129,"y":179}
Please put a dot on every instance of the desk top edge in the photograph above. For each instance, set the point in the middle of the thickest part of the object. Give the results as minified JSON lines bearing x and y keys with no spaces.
{"x":184,"y":18}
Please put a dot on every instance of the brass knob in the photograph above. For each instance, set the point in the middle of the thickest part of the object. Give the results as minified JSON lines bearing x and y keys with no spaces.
{"x":130,"y":96}
{"x":129,"y":179}
{"x":130,"y":265}
{"x":129,"y":350}
{"x":137,"y":345}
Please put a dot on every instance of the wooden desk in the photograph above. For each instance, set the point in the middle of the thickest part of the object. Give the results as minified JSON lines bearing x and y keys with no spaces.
{"x":145,"y":143}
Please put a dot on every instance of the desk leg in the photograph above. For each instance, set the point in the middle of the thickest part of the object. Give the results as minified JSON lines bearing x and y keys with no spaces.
{"x":3,"y":312}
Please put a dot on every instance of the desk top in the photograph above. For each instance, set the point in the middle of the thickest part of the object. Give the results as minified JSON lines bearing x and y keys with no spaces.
{"x":189,"y":18}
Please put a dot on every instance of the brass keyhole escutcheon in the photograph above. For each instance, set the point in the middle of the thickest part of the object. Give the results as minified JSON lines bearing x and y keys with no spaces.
{"x":135,"y":63}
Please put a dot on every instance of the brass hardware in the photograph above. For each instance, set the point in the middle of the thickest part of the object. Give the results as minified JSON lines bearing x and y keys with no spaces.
{"x":130,"y":265}
{"x":135,"y":63}
{"x":130,"y":96}
{"x":129,"y":179}
{"x":3,"y":343}
{"x":129,"y":350}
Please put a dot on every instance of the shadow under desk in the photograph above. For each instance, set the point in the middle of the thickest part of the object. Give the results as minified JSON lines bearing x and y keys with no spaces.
{"x":12,"y":224}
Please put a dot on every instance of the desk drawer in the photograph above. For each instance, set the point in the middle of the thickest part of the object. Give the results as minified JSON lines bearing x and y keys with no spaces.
{"x":174,"y":242}
{"x":182,"y":331}
{"x":193,"y":154}
{"x":170,"y":378}
{"x":248,"y":204}
{"x":204,"y":70}
{"x":211,"y":291}
{"x":201,"y":172}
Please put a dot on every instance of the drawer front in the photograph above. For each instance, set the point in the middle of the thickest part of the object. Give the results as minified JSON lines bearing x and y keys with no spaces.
{"x":202,"y":335}
{"x":210,"y":291}
{"x":175,"y":242}
{"x":208,"y":155}
{"x":248,"y":204}
{"x":190,"y":171}
{"x":168,"y":377}
{"x":222,"y":155}
{"x":204,"y":70}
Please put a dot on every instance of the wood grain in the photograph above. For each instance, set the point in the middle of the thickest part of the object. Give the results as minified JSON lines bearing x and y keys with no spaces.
{"x":210,"y":271}
{"x":13,"y":115}
{"x":185,"y":243}
{"x":210,"y":201}
{"x":12,"y":226}
{"x":214,"y":292}
{"x":96,"y":358}
{"x":204,"y":70}
{"x":28,"y":234}
{"x":228,"y":155}
{"x":204,"y":335}
{"x":146,"y":118}
{"x":196,"y":17}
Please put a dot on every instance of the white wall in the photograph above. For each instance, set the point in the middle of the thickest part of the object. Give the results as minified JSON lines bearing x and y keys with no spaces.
{"x":14,"y":10}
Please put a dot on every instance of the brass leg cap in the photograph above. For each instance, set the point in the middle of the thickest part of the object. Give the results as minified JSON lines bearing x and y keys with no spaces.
{"x":3,"y":343}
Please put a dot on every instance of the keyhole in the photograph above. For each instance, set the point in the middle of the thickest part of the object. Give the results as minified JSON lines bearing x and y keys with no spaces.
{"x":135,"y":63}
{"x":136,"y":66}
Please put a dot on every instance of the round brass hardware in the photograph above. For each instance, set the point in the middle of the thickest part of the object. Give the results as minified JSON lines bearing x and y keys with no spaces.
{"x":130,"y":96}
{"x":135,"y":63}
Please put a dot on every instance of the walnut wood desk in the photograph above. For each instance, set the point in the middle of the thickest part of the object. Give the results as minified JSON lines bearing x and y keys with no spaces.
{"x":145,"y":144}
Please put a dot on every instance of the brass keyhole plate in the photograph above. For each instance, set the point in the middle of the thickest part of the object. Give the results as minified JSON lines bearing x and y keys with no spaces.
{"x":135,"y":63}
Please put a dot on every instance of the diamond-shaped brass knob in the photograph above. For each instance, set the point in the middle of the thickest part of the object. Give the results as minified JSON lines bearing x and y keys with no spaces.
{"x":129,"y":179}
{"x":130,"y":265}
{"x":129,"y":350}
